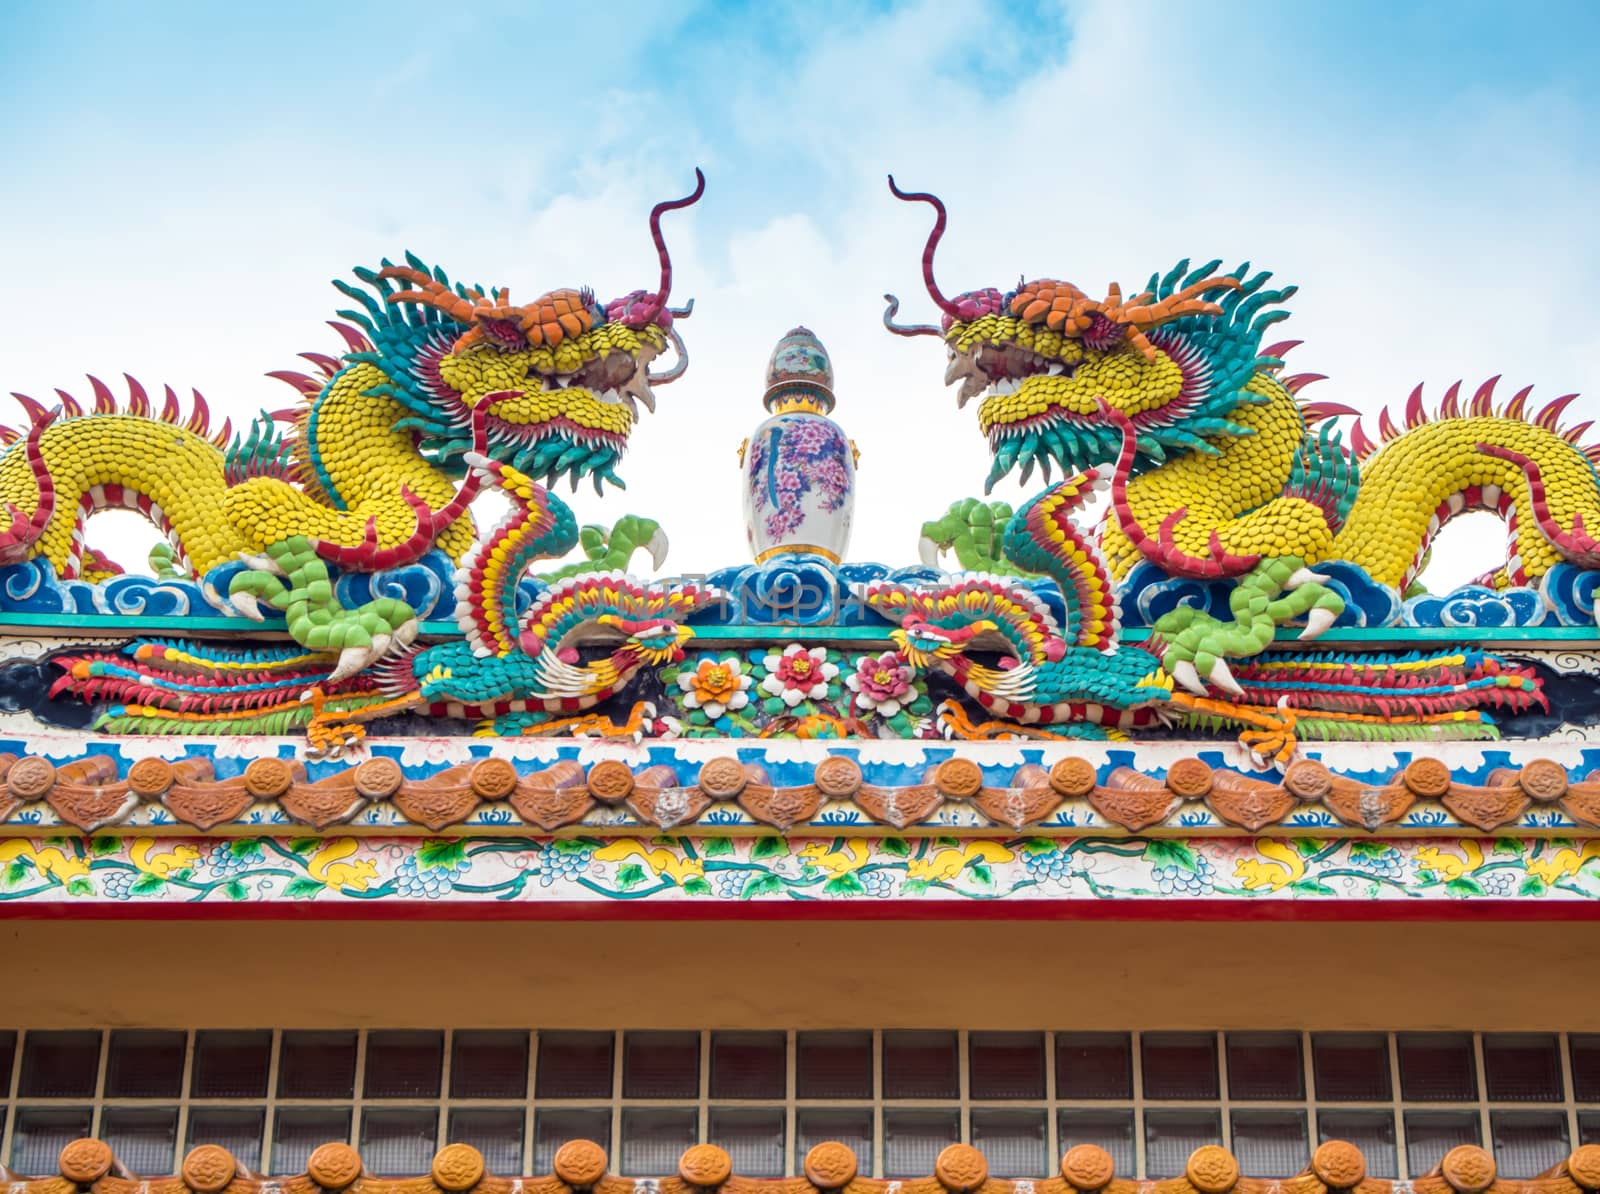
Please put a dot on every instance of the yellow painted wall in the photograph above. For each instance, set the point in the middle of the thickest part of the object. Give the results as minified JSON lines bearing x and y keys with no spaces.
{"x":660,"y":975}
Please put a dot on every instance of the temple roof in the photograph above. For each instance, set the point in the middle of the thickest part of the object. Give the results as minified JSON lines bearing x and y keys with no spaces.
{"x":967,"y":790}
{"x":580,"y":1165}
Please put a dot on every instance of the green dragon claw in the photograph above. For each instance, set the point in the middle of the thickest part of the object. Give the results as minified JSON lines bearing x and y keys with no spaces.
{"x":605,"y":551}
{"x":315,"y":618}
{"x":163,"y":559}
{"x":1198,"y":645}
{"x":974,"y":530}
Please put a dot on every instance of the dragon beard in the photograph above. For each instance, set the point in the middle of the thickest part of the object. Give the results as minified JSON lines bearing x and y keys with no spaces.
{"x":1041,"y":412}
{"x":554,"y":425}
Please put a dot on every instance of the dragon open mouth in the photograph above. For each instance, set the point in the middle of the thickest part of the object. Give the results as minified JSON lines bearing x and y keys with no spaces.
{"x":995,"y":370}
{"x":615,"y":379}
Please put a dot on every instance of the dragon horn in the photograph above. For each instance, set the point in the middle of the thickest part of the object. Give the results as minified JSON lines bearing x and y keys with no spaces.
{"x":905,"y":329}
{"x":1144,"y":315}
{"x":656,"y":213}
{"x":433,"y":293}
{"x":678,"y":366}
{"x":945,"y":304}
{"x":682,"y":312}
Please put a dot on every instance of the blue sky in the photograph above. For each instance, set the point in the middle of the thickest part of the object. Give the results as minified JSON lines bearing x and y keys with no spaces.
{"x":182,"y":180}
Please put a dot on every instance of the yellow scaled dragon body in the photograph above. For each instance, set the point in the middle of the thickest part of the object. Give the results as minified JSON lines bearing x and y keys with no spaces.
{"x":442,"y":390}
{"x":1219,"y":471}
{"x":371,"y":476}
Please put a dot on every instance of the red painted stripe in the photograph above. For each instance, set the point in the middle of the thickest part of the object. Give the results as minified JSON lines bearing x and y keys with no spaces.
{"x":1259,"y":910}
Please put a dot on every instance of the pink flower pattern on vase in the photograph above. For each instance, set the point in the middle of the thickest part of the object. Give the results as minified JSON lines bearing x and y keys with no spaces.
{"x":796,"y":455}
{"x":799,"y":468}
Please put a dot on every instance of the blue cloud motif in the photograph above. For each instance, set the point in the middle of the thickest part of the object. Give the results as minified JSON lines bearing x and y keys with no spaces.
{"x":214,"y":591}
{"x":427,"y":586}
{"x":792,"y":591}
{"x":1571,"y":593}
{"x":145,"y":595}
{"x":32,"y":587}
{"x":1366,"y":602}
{"x":1148,"y":593}
{"x":801,"y":590}
{"x":1477,"y":605}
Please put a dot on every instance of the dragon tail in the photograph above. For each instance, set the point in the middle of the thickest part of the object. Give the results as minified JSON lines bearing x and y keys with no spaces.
{"x":167,"y":686}
{"x":1426,"y":467}
{"x":1389,"y":688}
{"x":21,"y":538}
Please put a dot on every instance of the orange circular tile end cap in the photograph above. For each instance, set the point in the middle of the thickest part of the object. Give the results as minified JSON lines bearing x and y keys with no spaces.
{"x":208,"y":1169}
{"x":1308,"y":779}
{"x":722,"y":778}
{"x":334,"y":1166}
{"x":1544,"y":779}
{"x":580,"y":1163}
{"x":831,"y":1165}
{"x":30,"y":778}
{"x":1428,"y":778}
{"x":1072,"y":777}
{"x":457,"y":1167}
{"x":705,"y":1165}
{"x":150,"y":777}
{"x":1189,"y":778}
{"x":1087,"y":1167}
{"x":610,"y":781}
{"x":1212,"y":1169}
{"x":267,"y":779}
{"x":492,"y":779}
{"x":85,"y":1161}
{"x":837,"y":777}
{"x":959,"y":779}
{"x":1339,"y":1164}
{"x":1468,"y":1168}
{"x":961,"y":1168}
{"x":1583,"y":1166}
{"x":379,"y":778}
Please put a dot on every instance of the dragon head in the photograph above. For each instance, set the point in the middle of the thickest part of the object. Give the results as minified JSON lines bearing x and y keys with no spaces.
{"x":566,"y":373}
{"x":1173,"y":360}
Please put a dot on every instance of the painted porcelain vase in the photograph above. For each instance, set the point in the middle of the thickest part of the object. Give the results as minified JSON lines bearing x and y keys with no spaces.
{"x":800,"y":470}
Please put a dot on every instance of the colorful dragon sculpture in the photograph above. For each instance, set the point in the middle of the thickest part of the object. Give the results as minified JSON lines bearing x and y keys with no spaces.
{"x":368,"y":477}
{"x":443,"y":388}
{"x":579,"y":642}
{"x":1218,"y":471}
